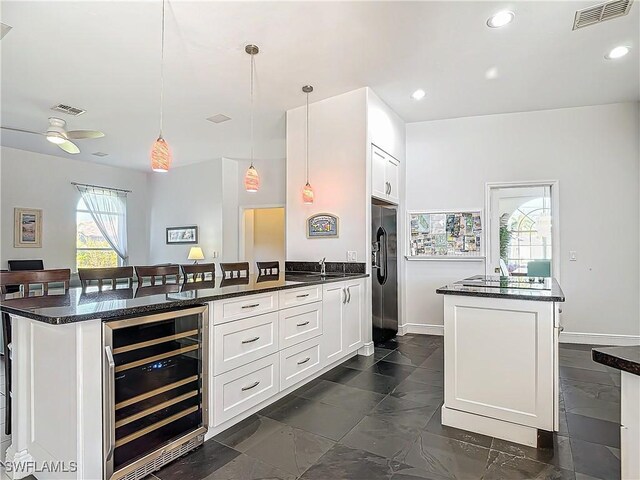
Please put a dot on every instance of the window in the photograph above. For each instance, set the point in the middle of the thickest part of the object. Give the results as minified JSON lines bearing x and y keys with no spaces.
{"x":530,"y":234}
{"x":92,"y":249}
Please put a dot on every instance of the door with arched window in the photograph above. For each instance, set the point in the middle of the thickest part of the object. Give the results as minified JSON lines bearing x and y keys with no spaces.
{"x":522,"y":233}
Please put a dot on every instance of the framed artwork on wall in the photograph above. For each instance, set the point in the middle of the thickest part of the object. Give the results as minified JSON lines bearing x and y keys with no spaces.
{"x":182,"y":235}
{"x":322,"y":225}
{"x":27,"y":231}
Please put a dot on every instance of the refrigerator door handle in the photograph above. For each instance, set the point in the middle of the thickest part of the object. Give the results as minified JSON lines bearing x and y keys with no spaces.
{"x":381,"y":240}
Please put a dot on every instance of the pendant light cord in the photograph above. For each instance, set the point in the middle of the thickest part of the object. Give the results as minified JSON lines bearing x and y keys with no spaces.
{"x":162,"y":70}
{"x":251,"y":83}
{"x":307,"y":140}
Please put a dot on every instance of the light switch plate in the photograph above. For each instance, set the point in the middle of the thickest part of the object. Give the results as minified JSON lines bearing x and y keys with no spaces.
{"x":352,"y":256}
{"x":572,"y":256}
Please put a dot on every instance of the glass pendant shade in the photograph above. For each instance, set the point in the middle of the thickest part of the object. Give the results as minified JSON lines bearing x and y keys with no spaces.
{"x":251,"y":180}
{"x":307,"y":194}
{"x":160,"y":156}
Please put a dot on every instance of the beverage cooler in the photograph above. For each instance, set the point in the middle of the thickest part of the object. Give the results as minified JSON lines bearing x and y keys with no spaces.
{"x":154,"y":390}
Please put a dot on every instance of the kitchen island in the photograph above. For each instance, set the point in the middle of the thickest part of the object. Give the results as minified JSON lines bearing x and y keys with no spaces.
{"x":627,"y":360}
{"x":501,"y":357}
{"x":115,"y":383}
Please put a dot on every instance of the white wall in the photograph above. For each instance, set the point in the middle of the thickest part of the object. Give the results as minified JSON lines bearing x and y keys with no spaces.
{"x":189,"y":195}
{"x":337,"y":152}
{"x":209,"y":195}
{"x":592,"y":151}
{"x":34,"y":180}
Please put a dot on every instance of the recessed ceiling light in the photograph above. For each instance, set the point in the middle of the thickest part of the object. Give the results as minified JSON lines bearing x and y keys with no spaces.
{"x":500,"y":19}
{"x":100,"y":154}
{"x":418,"y":94}
{"x":617,"y":52}
{"x":491,"y":74}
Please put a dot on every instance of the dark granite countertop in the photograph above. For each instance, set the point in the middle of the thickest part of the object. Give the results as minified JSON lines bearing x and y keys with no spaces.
{"x":622,"y":358}
{"x":517,"y":288}
{"x":77,"y":305}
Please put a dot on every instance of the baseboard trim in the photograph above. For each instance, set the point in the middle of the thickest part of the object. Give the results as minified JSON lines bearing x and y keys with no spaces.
{"x":421,"y":328}
{"x":367,"y":349}
{"x":599,"y":338}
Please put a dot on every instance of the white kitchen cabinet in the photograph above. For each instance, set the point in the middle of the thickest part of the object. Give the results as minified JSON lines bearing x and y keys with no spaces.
{"x":385,"y":176}
{"x":630,"y":425}
{"x":343,"y":318}
{"x":333,"y":298}
{"x":353,"y":317}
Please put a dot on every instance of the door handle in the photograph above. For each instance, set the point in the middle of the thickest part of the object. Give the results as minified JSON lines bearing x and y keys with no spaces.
{"x":253,"y":385}
{"x":302,"y":362}
{"x":349,"y":293}
{"x":109,"y":428}
{"x":253,"y":305}
{"x":302,"y":324}
{"x":344,"y":298}
{"x":302,"y":296}
{"x":251,"y":340}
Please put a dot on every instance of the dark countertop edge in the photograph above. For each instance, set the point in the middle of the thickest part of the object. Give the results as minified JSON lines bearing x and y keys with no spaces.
{"x":607,"y":356}
{"x":169,"y":305}
{"x":514,"y":296}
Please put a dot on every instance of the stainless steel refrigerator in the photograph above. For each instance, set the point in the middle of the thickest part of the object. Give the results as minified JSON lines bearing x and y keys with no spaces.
{"x":384,"y":272}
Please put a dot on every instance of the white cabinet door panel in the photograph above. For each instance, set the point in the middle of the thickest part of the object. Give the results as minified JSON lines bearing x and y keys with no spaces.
{"x":298,"y":324}
{"x":300,"y":296}
{"x":243,"y":307}
{"x":298,"y":362}
{"x":354,"y":315}
{"x":378,"y":173}
{"x":333,"y":299}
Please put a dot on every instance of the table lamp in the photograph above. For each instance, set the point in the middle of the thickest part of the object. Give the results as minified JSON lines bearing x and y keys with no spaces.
{"x":195,"y":254}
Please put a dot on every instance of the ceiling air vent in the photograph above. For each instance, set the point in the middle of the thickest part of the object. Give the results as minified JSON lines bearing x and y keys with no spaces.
{"x":73,"y":111}
{"x":219,"y":118}
{"x":601,"y":12}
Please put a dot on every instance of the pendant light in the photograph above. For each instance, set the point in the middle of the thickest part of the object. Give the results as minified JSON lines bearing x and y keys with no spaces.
{"x":251,"y":178}
{"x":307,"y":190}
{"x":160,"y":152}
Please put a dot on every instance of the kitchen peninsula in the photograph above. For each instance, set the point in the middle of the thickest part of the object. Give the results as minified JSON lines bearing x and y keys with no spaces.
{"x":154,"y":371}
{"x":501,"y":357}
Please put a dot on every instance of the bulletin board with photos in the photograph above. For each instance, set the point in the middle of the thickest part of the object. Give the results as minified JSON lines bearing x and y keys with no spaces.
{"x":445,"y":235}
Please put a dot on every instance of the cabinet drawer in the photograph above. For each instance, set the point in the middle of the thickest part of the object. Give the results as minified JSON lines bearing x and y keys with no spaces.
{"x":242,"y":341}
{"x":299,"y":362}
{"x":300,"y":296}
{"x":243,"y":307}
{"x":298,"y":324}
{"x":245,"y":387}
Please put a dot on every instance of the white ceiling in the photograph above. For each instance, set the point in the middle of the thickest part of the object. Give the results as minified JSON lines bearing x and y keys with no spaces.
{"x":104,"y":57}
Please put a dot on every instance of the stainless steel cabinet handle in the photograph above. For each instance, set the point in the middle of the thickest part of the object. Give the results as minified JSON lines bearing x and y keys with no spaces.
{"x":389,"y":188}
{"x":302,"y":324}
{"x":302,"y":296}
{"x":253,"y":385}
{"x":109,"y":428}
{"x":253,"y":305}
{"x":304,"y":361}
{"x":344,"y":298}
{"x":251,"y":340}
{"x":349,"y":292}
{"x":560,"y":328}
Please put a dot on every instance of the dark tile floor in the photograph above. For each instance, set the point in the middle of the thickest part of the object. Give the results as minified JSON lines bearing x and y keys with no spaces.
{"x":378,"y":417}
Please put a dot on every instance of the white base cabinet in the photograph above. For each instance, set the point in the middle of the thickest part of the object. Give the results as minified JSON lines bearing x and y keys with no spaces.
{"x":281,"y":341}
{"x":500,"y":367}
{"x":630,"y":425}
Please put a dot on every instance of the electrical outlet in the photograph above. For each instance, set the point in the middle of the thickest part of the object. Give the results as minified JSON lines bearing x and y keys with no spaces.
{"x":215,"y":255}
{"x":572,"y":256}
{"x":352,"y":256}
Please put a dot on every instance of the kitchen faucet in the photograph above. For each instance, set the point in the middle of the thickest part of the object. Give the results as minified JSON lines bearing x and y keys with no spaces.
{"x":323,"y":270}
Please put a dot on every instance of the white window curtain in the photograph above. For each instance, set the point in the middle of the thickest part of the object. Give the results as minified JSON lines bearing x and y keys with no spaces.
{"x":109,"y":210}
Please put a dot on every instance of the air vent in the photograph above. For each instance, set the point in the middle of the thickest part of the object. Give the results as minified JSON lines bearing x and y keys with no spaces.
{"x":73,"y":111}
{"x":601,"y":12}
{"x":100,"y":154}
{"x":219,"y":118}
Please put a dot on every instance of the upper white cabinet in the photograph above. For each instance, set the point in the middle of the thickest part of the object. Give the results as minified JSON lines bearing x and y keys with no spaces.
{"x":385,"y":176}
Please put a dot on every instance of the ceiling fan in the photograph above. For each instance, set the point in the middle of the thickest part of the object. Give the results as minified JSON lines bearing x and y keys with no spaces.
{"x":57,"y":134}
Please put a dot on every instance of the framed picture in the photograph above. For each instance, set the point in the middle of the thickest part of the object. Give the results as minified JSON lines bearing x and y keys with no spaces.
{"x":27,"y":231}
{"x":182,"y":235}
{"x":322,"y":225}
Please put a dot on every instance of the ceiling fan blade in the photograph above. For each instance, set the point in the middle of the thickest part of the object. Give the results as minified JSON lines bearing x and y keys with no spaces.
{"x":69,"y":147}
{"x":79,"y":134}
{"x":21,"y":130}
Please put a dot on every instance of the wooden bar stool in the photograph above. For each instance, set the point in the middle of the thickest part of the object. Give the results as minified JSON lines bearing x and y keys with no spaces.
{"x":198,"y":272}
{"x":235,"y":270}
{"x":153,"y":272}
{"x":268,"y":268}
{"x":26,"y":278}
{"x":87,"y":275}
